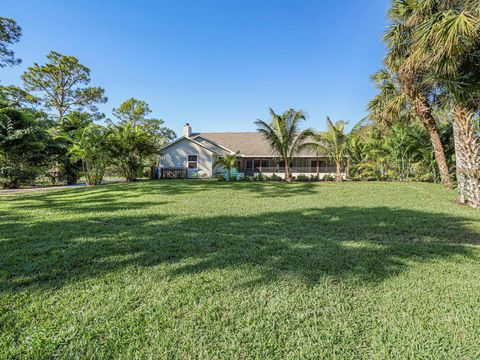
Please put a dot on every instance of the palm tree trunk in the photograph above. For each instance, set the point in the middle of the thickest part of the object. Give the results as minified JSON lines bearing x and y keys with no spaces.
{"x":288,"y":171}
{"x":424,"y":110}
{"x":467,"y":153}
{"x":339,"y":174}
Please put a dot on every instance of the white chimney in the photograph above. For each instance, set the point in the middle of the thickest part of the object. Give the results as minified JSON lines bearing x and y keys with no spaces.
{"x":187,"y":130}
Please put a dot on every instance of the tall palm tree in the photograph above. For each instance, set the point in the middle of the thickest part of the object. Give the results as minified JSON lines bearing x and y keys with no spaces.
{"x":334,"y":143}
{"x":284,"y":135}
{"x":227,"y":162}
{"x":411,"y":73}
{"x":448,"y":42}
{"x":391,"y":104}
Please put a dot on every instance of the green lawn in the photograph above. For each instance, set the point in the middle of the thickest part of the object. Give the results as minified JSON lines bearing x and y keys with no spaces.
{"x":245,"y":270}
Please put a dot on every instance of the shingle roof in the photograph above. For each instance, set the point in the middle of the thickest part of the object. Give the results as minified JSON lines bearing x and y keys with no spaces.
{"x":246,"y":143}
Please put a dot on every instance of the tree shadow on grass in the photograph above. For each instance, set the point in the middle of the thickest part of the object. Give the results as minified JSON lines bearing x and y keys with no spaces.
{"x":258,"y":188}
{"x":275,"y":189}
{"x":114,"y":197}
{"x":362,"y":245}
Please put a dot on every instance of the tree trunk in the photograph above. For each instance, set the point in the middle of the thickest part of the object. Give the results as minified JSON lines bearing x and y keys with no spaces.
{"x":288,"y":172}
{"x":425,"y":112}
{"x":339,"y":173}
{"x":467,"y":153}
{"x":60,"y":117}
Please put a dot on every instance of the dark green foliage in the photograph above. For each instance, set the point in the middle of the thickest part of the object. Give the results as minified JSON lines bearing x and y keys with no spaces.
{"x":302,"y":178}
{"x":89,"y":145}
{"x":23,"y":139}
{"x":130,"y":147}
{"x":259,"y":177}
{"x":275,"y":177}
{"x":10,"y":33}
{"x":135,"y":141}
{"x":69,"y":170}
{"x":402,"y":152}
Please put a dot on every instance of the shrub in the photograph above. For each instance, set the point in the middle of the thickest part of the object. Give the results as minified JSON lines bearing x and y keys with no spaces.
{"x":314,"y":178}
{"x":302,"y":178}
{"x":259,"y":177}
{"x":17,"y":174}
{"x":328,"y":177}
{"x":275,"y":177}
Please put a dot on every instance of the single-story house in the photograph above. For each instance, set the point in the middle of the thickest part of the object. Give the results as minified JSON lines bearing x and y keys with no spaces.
{"x":197,"y":152}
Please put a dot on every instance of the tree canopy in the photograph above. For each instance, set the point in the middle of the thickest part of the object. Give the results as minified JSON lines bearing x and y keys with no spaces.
{"x":61,"y":84}
{"x":10,"y":33}
{"x":284,"y":135}
{"x":135,"y":112}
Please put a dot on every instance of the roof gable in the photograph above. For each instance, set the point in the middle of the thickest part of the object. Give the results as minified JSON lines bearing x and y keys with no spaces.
{"x":189,"y":139}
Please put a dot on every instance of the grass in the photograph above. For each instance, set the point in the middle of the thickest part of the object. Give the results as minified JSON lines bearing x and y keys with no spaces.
{"x":247,"y":270}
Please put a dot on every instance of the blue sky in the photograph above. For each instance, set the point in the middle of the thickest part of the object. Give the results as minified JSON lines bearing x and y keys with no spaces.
{"x":216,"y":64}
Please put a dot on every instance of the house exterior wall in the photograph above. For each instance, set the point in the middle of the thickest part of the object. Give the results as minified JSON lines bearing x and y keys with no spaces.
{"x":177,"y":154}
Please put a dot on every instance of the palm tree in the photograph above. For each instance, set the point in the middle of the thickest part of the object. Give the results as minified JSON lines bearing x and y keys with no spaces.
{"x":130,"y":146}
{"x":448,"y":43}
{"x":334,"y":143}
{"x":284,"y":135}
{"x":227,"y":162}
{"x":89,"y":146}
{"x":411,"y":72}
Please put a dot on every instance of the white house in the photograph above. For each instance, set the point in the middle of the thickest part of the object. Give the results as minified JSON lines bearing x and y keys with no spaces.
{"x":195,"y":154}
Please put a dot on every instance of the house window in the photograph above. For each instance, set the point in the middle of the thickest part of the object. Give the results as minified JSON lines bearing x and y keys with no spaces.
{"x":265,"y":163}
{"x":192,"y":163}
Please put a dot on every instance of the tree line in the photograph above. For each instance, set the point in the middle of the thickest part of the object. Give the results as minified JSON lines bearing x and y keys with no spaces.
{"x":423,"y":124}
{"x":401,"y":151}
{"x":50,"y":127}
